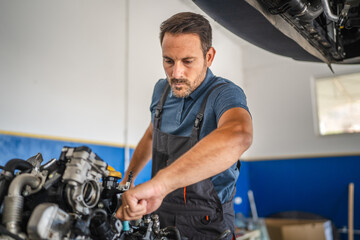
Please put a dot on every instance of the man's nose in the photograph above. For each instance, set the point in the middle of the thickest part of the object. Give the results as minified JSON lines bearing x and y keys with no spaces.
{"x":178,"y":70}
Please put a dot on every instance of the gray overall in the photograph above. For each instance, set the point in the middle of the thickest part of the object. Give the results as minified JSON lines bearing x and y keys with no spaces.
{"x":195,"y":210}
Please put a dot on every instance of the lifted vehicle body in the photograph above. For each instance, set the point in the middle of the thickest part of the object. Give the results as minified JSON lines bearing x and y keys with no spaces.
{"x":307,"y":30}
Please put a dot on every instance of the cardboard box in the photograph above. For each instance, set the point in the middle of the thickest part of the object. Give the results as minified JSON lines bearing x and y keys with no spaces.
{"x":297,"y":229}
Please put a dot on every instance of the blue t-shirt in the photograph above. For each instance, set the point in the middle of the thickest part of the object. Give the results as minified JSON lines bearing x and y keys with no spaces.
{"x":179,"y":114}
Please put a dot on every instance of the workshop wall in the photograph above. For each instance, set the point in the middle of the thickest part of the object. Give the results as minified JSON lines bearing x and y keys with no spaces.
{"x":81,"y":73}
{"x":279,"y":92}
{"x":62,"y":68}
{"x":289,"y":166}
{"x":316,"y":185}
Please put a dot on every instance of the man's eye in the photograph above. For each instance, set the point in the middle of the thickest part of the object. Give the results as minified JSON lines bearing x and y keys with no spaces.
{"x":188,"y":61}
{"x":168,"y":61}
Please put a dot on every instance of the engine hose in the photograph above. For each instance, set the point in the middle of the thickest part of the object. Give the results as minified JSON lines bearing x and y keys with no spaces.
{"x":8,"y":174}
{"x":99,"y":225}
{"x":305,"y":11}
{"x":18,"y":164}
{"x":14,"y":202}
{"x":328,"y":13}
{"x":174,"y":230}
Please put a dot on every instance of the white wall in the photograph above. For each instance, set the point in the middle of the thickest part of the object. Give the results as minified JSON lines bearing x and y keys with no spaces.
{"x":279,"y":92}
{"x":86,"y":69}
{"x":61,"y":68}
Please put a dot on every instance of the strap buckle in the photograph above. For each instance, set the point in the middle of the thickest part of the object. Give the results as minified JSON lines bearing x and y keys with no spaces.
{"x":198,"y":120}
{"x":157,"y":112}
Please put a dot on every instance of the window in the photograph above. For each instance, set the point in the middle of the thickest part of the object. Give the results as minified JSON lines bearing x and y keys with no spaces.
{"x":338,"y":104}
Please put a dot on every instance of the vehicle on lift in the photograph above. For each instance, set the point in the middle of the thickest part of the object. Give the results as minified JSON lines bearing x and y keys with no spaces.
{"x":307,"y":30}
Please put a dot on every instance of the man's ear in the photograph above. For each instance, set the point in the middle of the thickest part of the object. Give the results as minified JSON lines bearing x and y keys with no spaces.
{"x":210,"y":56}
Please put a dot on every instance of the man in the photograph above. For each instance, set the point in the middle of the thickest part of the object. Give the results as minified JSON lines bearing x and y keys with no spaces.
{"x":200,"y":127}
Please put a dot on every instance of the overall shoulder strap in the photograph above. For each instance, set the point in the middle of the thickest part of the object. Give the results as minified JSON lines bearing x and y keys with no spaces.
{"x":200,"y":115}
{"x":160,"y":105}
{"x":195,"y":133}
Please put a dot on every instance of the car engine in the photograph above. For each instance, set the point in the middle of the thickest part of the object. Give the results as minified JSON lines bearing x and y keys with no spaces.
{"x":74,"y":197}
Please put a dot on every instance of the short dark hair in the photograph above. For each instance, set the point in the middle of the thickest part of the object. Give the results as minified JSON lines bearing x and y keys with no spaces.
{"x":188,"y":22}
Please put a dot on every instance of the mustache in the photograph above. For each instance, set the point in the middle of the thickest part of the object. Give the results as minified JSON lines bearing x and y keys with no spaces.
{"x":179,"y":80}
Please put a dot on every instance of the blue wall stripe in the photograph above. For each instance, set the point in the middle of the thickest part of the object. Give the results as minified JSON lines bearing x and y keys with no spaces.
{"x":242,"y":187}
{"x":145,"y":174}
{"x":25,"y":147}
{"x":316,"y":185}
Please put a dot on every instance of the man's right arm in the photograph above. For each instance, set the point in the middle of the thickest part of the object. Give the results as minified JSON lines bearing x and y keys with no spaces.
{"x":141,"y":155}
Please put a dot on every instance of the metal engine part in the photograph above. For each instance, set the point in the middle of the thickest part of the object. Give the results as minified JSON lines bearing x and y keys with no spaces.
{"x":48,"y":221}
{"x":14,"y":201}
{"x":73,"y":198}
{"x":82,"y":175}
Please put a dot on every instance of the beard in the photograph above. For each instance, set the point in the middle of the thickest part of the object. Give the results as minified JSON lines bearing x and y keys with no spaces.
{"x":181,"y":92}
{"x":187,"y":86}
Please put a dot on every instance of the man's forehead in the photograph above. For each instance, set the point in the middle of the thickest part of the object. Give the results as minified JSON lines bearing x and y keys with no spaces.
{"x":181,"y":39}
{"x":184,"y":45}
{"x":184,"y":55}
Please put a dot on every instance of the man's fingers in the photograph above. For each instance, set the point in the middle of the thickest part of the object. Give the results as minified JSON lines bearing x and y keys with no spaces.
{"x":119,"y":214}
{"x":133,"y":215}
{"x":131,"y":211}
{"x":135,"y":207}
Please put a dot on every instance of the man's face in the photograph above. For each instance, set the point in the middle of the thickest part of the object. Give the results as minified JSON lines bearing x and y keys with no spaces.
{"x":184,"y":62}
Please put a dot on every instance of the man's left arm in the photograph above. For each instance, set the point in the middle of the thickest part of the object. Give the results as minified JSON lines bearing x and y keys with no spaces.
{"x":211,"y":155}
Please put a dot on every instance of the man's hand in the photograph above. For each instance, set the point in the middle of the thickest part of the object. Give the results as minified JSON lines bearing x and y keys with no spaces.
{"x":140,"y":200}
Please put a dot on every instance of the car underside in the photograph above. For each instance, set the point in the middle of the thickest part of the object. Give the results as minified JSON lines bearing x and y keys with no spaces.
{"x":317,"y":30}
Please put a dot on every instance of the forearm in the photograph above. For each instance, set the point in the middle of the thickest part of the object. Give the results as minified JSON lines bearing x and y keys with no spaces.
{"x":141,"y":155}
{"x":213,"y":154}
{"x":204,"y":160}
